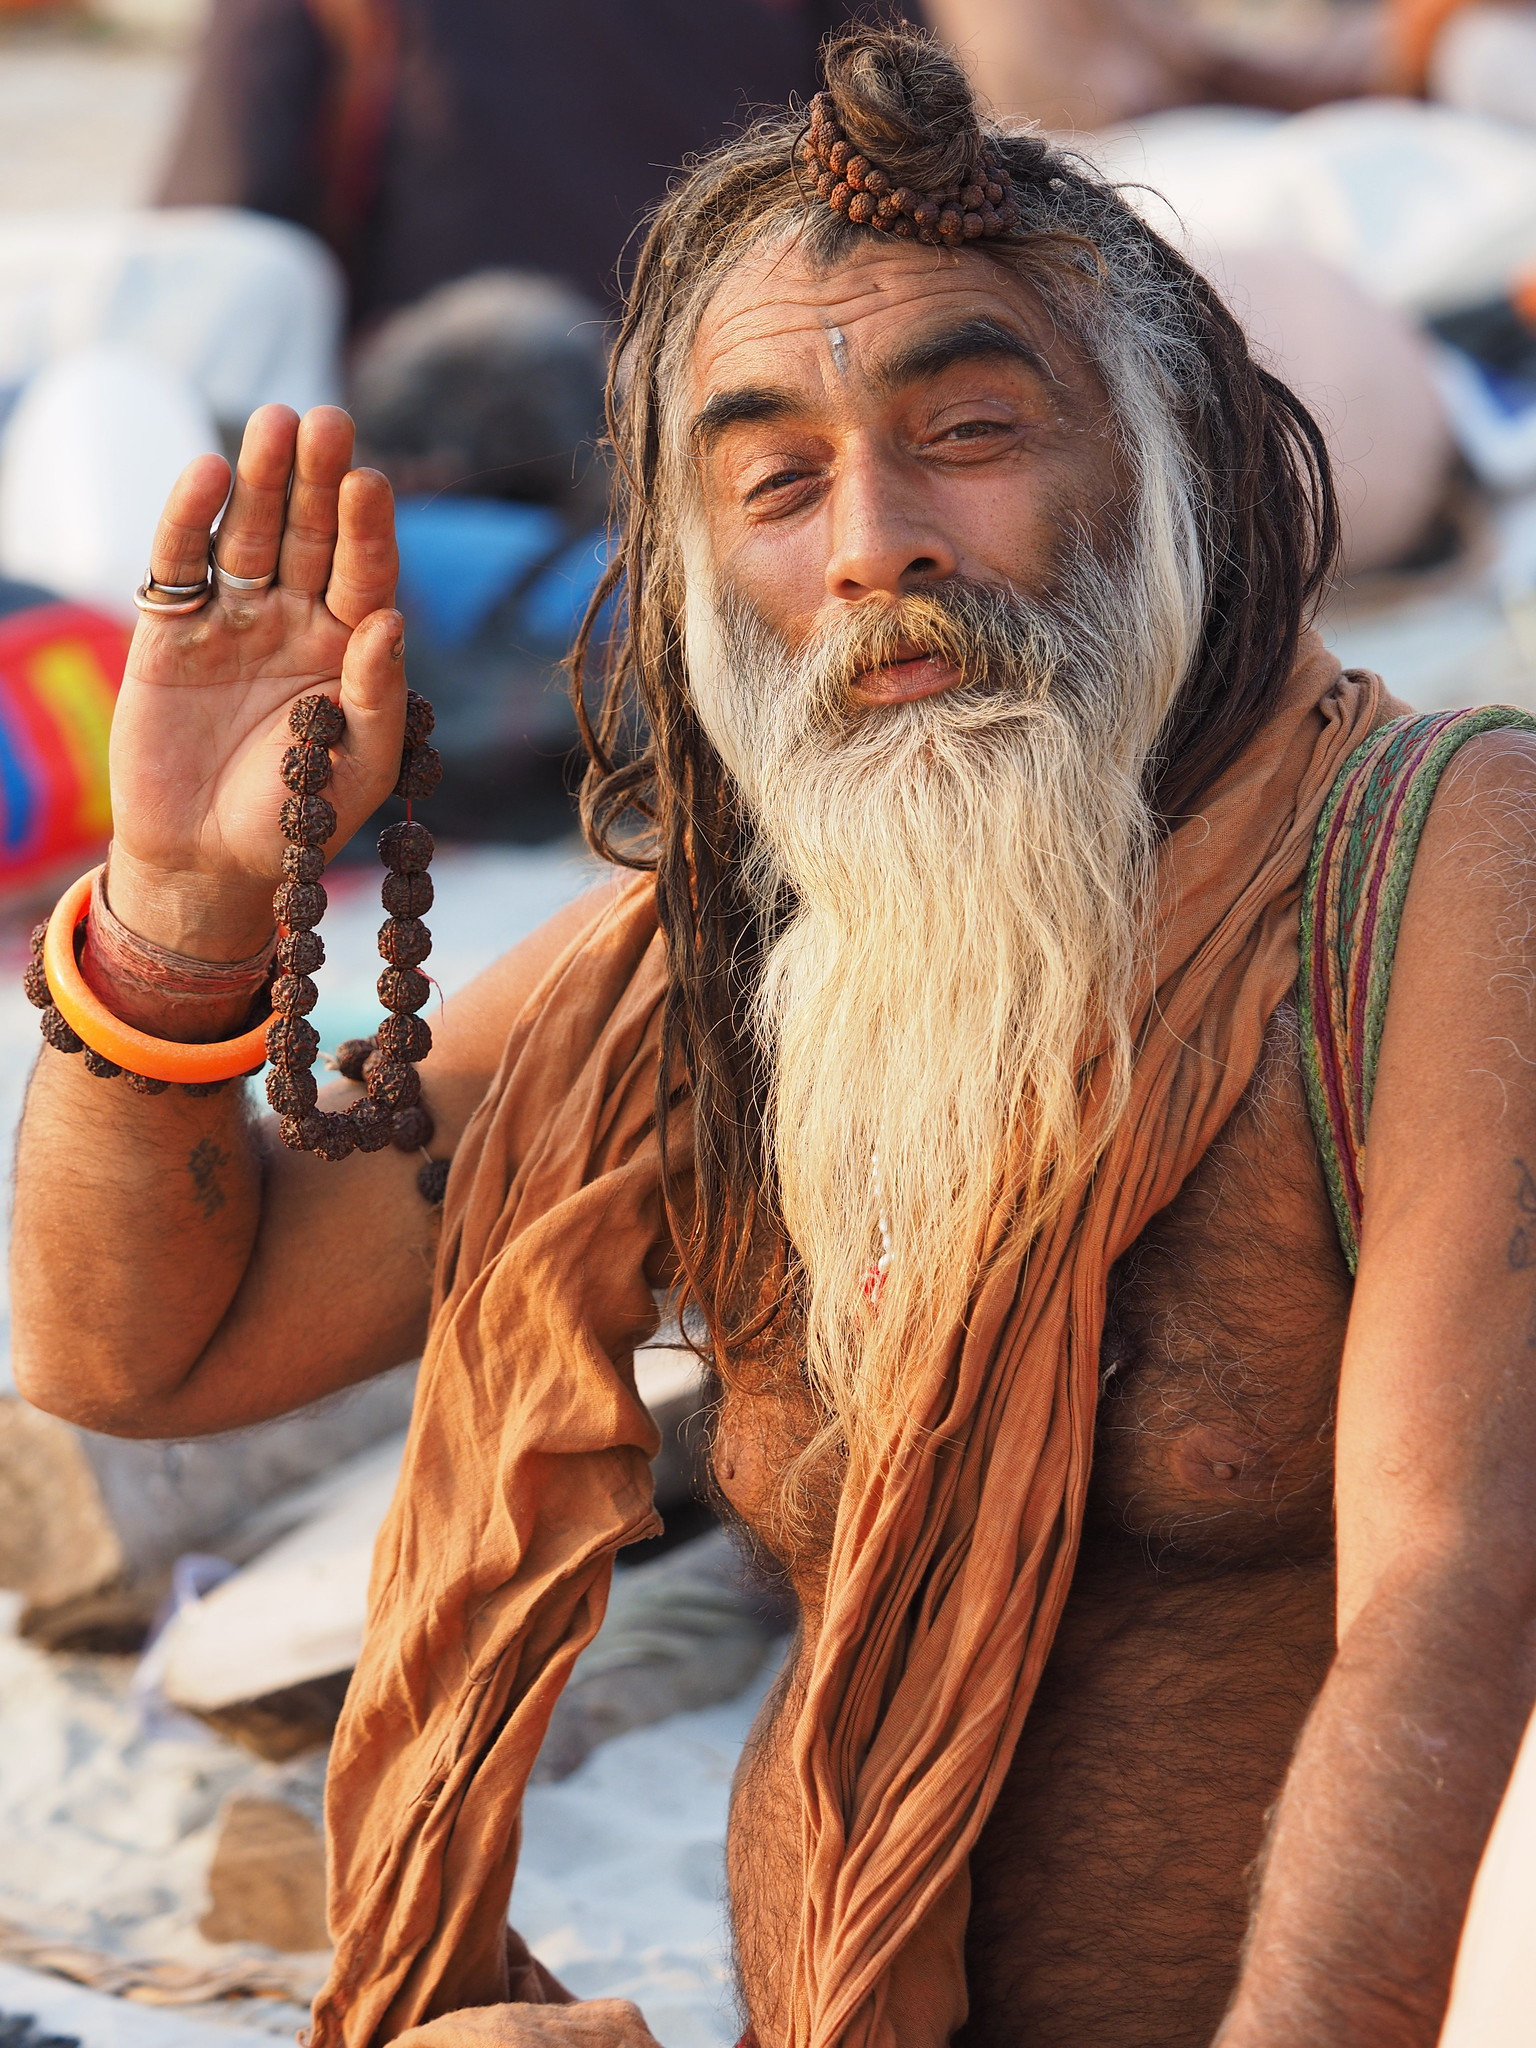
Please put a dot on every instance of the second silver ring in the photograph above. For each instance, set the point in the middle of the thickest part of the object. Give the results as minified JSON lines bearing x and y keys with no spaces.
{"x":243,"y":584}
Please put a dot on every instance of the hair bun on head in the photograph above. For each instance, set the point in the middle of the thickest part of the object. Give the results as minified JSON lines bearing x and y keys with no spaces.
{"x":894,"y":141}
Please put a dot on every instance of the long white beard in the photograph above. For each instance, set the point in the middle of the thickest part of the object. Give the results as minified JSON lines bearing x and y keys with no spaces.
{"x":968,"y":877}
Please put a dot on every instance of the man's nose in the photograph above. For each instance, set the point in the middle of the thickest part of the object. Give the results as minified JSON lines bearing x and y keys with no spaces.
{"x":884,"y":538}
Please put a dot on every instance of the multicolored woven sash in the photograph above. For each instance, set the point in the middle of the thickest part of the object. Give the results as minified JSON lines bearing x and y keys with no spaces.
{"x":1352,"y":907}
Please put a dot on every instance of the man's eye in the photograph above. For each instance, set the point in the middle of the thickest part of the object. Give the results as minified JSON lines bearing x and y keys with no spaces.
{"x":776,"y":482}
{"x":972,"y":430}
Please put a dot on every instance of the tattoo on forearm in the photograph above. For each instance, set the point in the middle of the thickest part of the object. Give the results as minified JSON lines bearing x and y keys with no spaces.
{"x":203,"y":1163}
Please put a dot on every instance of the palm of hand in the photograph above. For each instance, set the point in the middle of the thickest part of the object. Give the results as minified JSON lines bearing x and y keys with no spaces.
{"x":201,"y":726}
{"x":202,"y":718}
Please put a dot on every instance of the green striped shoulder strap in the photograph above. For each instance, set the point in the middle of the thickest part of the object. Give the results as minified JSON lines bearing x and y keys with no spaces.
{"x":1352,"y":907}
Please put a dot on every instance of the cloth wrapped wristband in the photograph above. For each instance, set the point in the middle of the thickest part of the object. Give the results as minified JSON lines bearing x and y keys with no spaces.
{"x":156,"y":990}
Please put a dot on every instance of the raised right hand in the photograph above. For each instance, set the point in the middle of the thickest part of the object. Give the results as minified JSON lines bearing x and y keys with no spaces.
{"x":202,"y":718}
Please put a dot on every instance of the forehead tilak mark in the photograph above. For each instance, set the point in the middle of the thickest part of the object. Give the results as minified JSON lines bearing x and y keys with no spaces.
{"x":839,"y":342}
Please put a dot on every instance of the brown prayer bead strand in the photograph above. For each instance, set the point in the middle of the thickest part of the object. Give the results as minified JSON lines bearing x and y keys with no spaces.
{"x":404,"y":942}
{"x":420,"y":719}
{"x":63,"y":1037}
{"x":404,"y":988}
{"x":413,"y":1129}
{"x":308,"y":820}
{"x":391,"y":1111}
{"x":421,"y":766}
{"x":414,"y":1126}
{"x":350,"y":1057}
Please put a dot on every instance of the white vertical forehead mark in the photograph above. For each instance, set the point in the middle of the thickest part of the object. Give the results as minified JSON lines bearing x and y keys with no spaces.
{"x":839,"y":343}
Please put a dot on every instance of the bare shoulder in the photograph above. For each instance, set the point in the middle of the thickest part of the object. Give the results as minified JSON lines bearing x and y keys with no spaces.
{"x":1442,"y":1333}
{"x":1468,"y":942}
{"x":1481,"y":826}
{"x":1458,"y":1049}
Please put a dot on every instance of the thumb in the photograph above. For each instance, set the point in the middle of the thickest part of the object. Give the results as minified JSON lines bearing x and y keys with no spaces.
{"x":373,"y":699}
{"x":373,"y":668}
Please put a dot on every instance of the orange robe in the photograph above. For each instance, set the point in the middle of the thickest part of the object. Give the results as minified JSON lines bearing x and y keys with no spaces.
{"x":527,"y":1465}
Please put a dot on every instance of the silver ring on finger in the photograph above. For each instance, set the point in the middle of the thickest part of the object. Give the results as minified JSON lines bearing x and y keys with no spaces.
{"x":242,"y":584}
{"x":171,"y":600}
{"x":174,"y":589}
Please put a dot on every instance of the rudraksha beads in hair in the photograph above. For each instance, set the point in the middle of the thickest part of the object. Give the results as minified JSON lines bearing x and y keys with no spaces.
{"x":980,"y":204}
{"x":390,"y":1111}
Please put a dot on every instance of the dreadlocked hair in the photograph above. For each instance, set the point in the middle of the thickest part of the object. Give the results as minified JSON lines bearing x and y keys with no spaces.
{"x":1260,"y":547}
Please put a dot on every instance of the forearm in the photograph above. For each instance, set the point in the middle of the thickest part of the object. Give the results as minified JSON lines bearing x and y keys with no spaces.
{"x":177,"y":1270}
{"x":135,"y":1220}
{"x":1383,"y":1818}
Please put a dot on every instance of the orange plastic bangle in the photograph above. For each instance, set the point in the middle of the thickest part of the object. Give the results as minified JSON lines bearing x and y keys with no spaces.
{"x":158,"y":1059}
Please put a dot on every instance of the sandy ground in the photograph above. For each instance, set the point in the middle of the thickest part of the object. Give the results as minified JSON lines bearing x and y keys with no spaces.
{"x":107,"y":1818}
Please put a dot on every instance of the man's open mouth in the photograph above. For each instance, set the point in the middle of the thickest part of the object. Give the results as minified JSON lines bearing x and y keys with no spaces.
{"x":913,"y":672}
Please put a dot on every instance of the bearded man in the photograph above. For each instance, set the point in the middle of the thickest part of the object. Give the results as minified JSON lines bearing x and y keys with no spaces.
{"x":946,"y":1048}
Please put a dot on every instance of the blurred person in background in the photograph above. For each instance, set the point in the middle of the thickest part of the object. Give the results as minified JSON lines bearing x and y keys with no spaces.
{"x":483,"y":405}
{"x":426,"y":139}
{"x":1082,"y":64}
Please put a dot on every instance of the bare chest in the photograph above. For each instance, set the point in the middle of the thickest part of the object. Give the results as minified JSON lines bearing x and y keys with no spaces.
{"x":1109,"y":1887}
{"x":1223,"y":1333}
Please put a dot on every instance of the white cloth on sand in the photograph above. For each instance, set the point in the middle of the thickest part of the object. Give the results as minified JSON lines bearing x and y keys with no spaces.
{"x":1427,"y":209}
{"x":131,"y":342}
{"x":244,"y":308}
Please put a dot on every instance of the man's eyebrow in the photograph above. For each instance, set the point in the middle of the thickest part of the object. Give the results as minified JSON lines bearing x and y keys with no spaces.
{"x":973,"y":341}
{"x":751,"y":405}
{"x":928,"y":355}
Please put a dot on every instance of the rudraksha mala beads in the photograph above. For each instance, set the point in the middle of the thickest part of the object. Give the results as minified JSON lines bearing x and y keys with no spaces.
{"x":978,"y":205}
{"x":391,"y":1112}
{"x":63,"y":1037}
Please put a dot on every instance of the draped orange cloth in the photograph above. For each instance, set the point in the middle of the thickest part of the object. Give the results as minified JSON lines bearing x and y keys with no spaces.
{"x":527,"y":1462}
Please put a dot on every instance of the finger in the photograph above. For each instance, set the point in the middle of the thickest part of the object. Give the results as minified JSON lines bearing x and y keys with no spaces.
{"x":373,"y":699}
{"x":252,"y":524}
{"x":367,"y":564}
{"x":321,"y":459}
{"x":180,"y":550}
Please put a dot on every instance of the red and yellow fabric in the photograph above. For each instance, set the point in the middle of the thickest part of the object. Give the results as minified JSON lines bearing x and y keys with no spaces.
{"x":60,"y":668}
